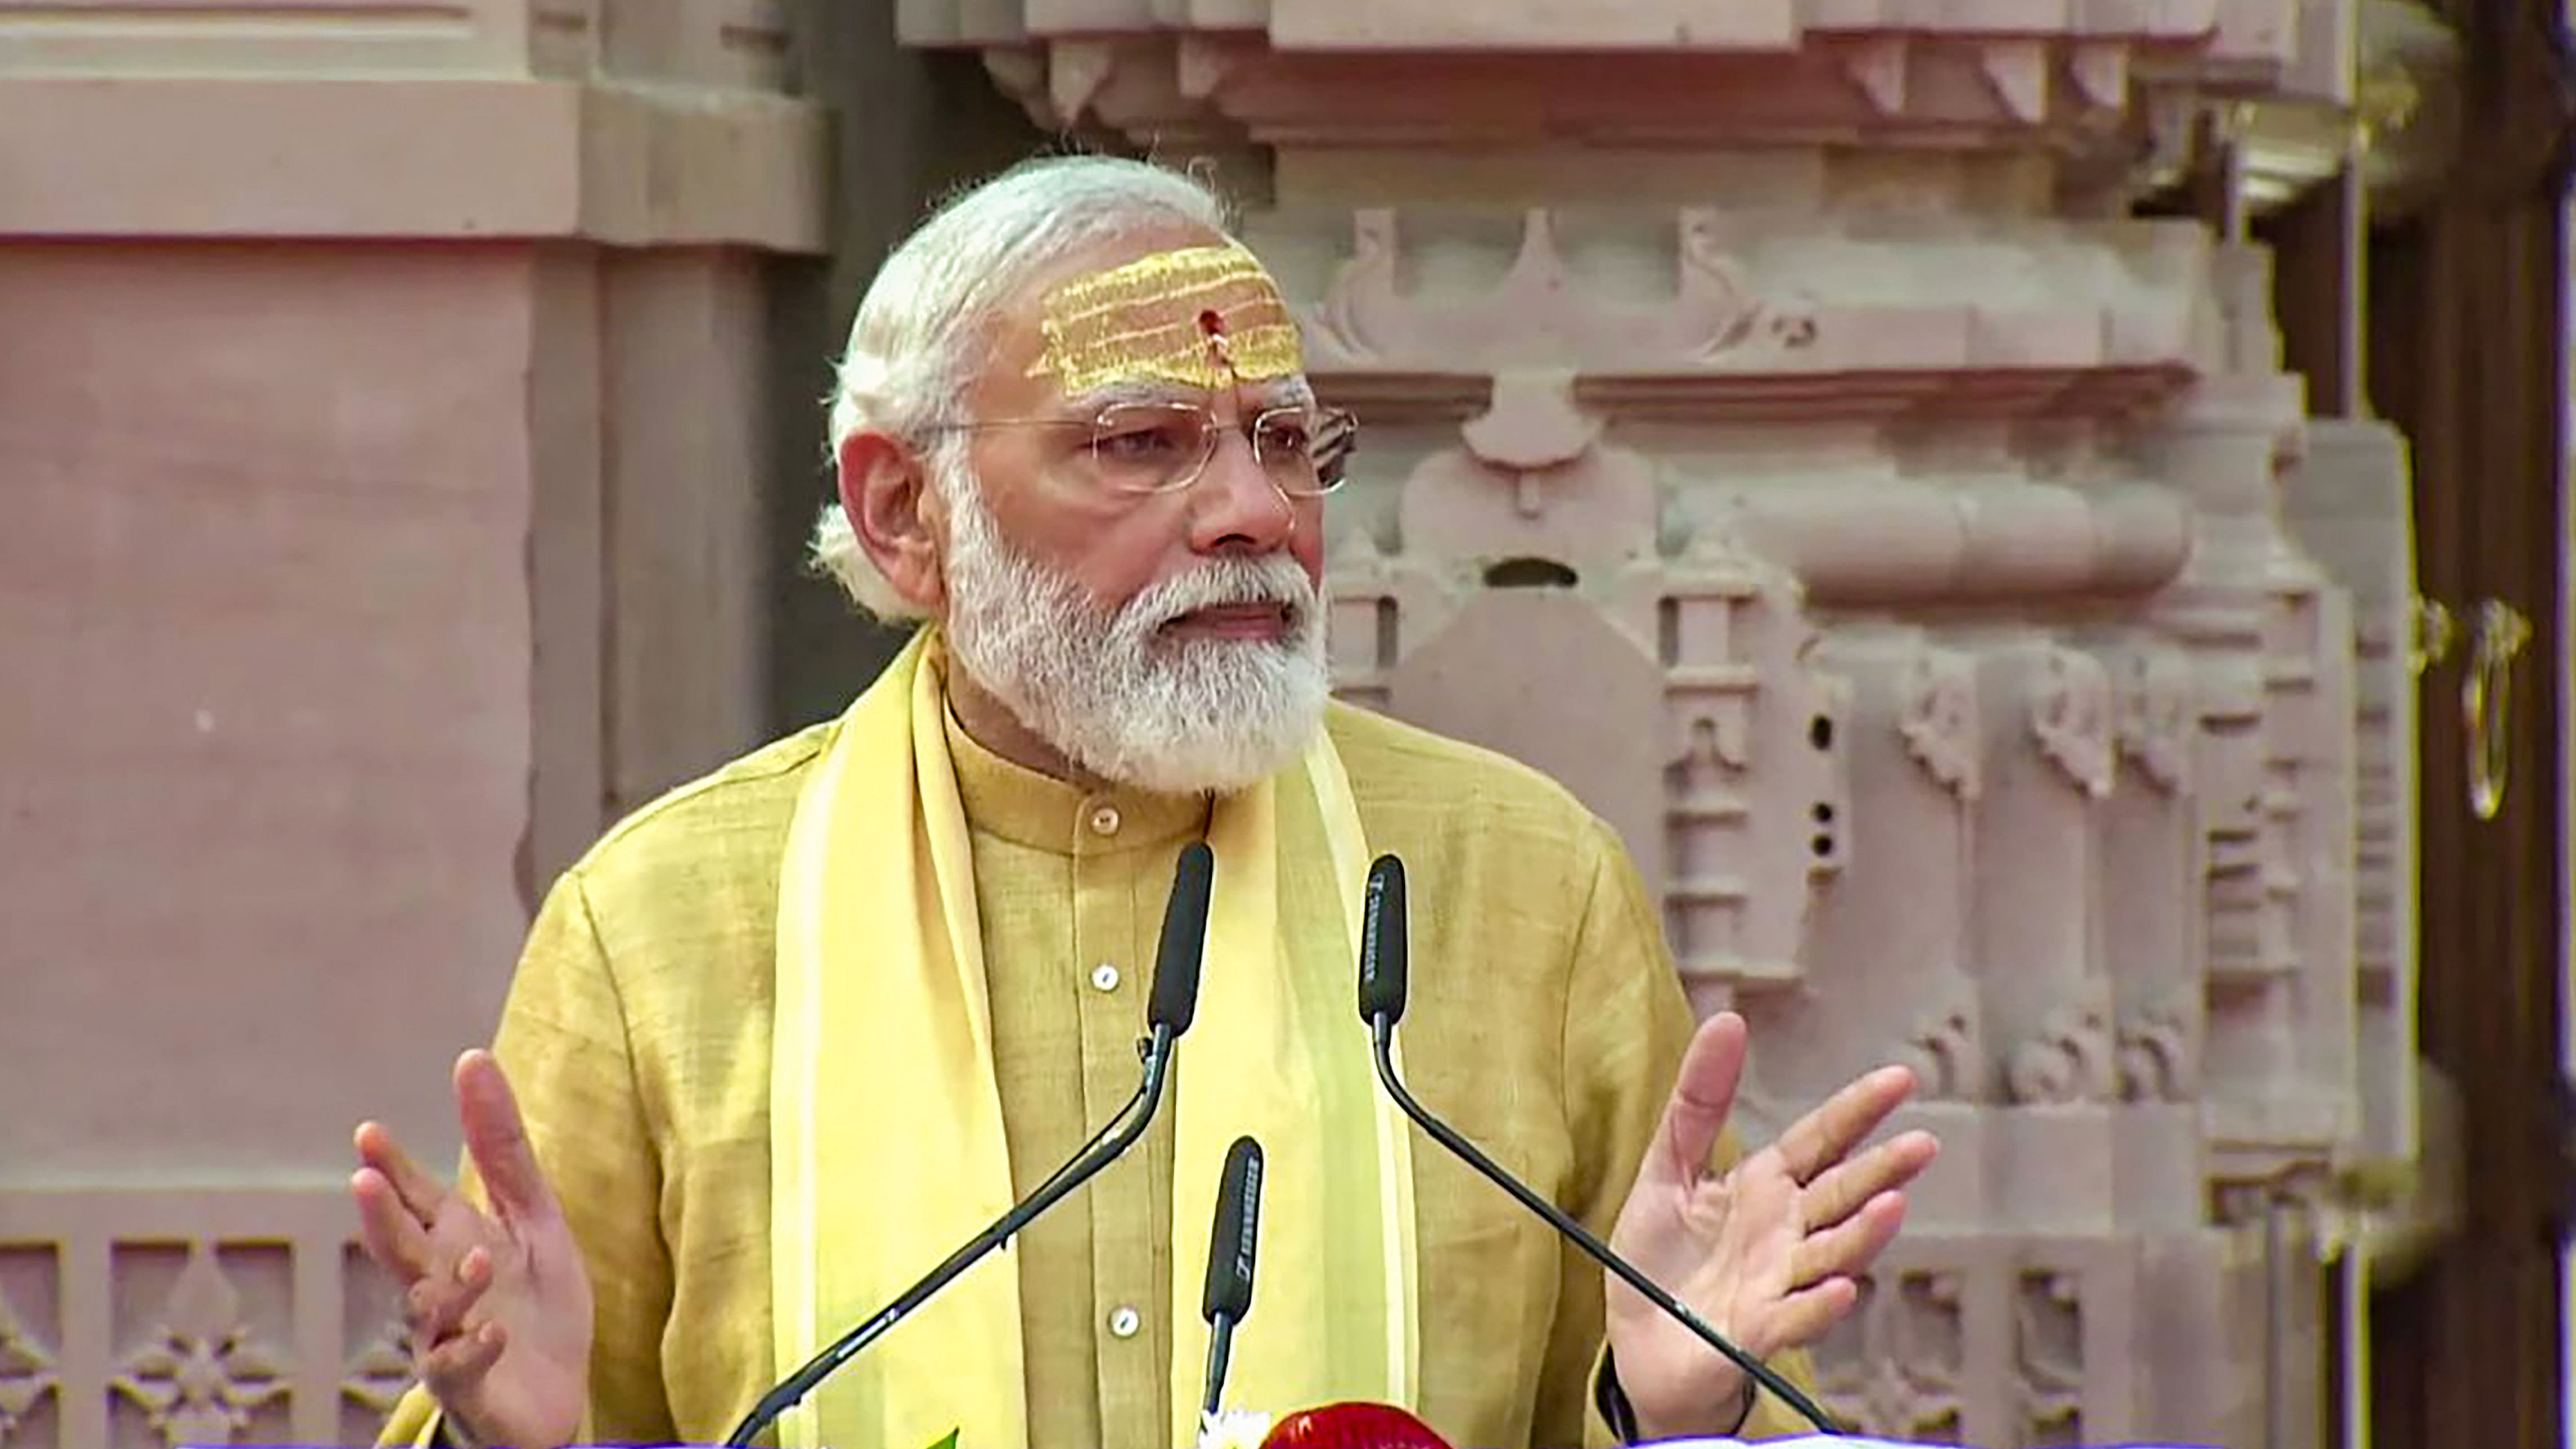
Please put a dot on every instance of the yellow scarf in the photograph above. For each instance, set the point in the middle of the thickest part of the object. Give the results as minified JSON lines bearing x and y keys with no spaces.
{"x":887,"y":1146}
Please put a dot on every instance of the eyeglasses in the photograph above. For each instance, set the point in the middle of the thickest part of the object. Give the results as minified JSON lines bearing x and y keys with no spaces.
{"x":1162,"y":447}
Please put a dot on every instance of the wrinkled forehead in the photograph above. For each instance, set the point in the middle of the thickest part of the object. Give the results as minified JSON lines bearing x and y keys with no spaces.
{"x":1190,"y":319}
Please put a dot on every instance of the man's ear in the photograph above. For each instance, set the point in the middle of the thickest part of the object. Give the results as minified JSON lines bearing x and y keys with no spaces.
{"x":892,"y":508}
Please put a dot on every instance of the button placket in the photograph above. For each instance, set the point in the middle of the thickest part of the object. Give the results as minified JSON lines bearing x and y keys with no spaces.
{"x":1110,"y":935}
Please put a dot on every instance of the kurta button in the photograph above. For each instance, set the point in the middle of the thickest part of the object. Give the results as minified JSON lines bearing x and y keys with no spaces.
{"x":1123,"y":1323}
{"x":1104,"y":820}
{"x":1105,"y":976}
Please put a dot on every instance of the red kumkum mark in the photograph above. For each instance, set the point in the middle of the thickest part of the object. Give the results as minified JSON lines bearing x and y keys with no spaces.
{"x":1220,"y":347}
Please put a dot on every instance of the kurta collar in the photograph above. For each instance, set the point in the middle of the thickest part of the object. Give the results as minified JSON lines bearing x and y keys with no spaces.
{"x":1039,"y":811}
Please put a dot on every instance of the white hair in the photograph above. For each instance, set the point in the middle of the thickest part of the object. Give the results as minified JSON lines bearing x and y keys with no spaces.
{"x":916,"y":344}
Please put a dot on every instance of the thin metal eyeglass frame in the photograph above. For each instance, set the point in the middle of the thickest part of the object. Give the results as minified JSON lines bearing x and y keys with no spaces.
{"x":1336,"y":436}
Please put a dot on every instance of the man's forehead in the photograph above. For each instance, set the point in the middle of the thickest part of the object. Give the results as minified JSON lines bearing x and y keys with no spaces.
{"x":1205,"y":317}
{"x":1287,"y":391}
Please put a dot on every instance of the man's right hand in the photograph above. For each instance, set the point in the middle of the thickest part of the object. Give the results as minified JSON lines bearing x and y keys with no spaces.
{"x":498,"y":1303}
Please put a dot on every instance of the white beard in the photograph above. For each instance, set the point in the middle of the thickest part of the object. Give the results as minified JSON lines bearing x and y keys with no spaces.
{"x":1120,"y":699}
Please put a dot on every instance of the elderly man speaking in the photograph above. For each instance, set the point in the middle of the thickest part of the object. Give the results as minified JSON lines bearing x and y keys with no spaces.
{"x":787,"y":1036}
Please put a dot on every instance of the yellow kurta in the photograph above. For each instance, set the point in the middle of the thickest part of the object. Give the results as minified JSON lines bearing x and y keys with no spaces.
{"x":637,"y":1036}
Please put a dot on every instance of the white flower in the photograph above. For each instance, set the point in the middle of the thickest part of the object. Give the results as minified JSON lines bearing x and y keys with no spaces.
{"x":1233,"y":1429}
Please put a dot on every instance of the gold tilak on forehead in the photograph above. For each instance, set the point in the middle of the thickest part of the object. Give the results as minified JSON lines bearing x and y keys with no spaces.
{"x":1144,"y":321}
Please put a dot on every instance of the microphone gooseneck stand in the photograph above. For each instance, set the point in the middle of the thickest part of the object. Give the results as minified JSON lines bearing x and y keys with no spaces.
{"x":1383,"y":968}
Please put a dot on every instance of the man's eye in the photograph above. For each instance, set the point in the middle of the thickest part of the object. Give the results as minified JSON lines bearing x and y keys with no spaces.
{"x":1286,"y":439}
{"x":1140,"y":444}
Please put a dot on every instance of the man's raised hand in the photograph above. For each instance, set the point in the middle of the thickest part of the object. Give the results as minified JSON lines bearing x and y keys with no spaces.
{"x":497,"y":1301}
{"x":1771,"y":1252}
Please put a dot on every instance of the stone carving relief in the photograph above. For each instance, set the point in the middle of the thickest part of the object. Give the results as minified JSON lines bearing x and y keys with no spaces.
{"x":1944,"y":1054}
{"x":2159,"y":1059}
{"x":2070,"y":718}
{"x":1554,"y":547}
{"x":375,"y":1365}
{"x":1940,"y":721}
{"x":152,"y":1319}
{"x":2155,"y":717}
{"x":27,"y":1372}
{"x":2048,"y":1338}
{"x":2068,"y":1061}
{"x":2032,"y":666}
{"x":1898,"y":1362}
{"x":380,"y":1369}
{"x":199,"y":1370}
{"x":1535,"y":317}
{"x":1756,"y":810}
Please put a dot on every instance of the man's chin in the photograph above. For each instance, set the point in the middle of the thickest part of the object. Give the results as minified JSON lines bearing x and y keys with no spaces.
{"x":1185,"y":774}
{"x":1216,"y":761}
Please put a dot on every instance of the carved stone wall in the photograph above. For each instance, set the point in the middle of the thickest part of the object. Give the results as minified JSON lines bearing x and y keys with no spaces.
{"x":382,"y":409}
{"x":1774,"y":427}
{"x":151,"y":1320}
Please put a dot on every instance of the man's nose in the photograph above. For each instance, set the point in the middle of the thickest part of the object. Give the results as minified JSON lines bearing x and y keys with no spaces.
{"x":1235,"y":504}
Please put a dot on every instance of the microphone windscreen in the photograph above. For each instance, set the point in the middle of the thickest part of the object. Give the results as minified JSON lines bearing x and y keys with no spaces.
{"x":1176,"y":962}
{"x":1382,"y":942}
{"x":1232,"y":1239}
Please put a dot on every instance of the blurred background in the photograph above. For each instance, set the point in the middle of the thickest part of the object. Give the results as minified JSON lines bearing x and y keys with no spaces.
{"x":2045,"y":526}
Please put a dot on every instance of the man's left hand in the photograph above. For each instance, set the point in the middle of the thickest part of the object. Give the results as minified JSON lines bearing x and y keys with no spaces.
{"x":1770,"y":1253}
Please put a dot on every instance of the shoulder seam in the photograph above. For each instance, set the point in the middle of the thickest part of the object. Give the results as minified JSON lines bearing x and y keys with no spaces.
{"x":806,"y":745}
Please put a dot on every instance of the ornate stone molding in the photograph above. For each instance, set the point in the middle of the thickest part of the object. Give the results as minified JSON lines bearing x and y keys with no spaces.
{"x":633,"y":124}
{"x":1891,"y":72}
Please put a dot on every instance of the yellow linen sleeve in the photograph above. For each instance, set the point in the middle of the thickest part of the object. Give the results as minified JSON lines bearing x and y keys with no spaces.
{"x":1627,"y":1025}
{"x":562,"y":1041}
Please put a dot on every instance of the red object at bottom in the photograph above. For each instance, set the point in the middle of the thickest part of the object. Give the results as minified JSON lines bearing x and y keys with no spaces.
{"x":1352,"y":1426}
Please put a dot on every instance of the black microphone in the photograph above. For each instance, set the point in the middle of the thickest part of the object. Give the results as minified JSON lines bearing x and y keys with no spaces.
{"x":1227,"y":1298}
{"x":1174,"y":1001}
{"x":1382,"y":990}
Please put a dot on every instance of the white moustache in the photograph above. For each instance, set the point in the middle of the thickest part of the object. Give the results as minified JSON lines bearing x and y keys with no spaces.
{"x":1271,"y":579}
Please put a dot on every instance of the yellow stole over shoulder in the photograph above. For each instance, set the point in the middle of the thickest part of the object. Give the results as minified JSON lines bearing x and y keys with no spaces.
{"x":887,"y":1138}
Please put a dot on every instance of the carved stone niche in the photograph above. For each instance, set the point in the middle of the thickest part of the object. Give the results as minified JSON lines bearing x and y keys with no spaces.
{"x":1716,"y":760}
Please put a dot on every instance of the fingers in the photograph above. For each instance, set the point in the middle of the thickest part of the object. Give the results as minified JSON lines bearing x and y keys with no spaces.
{"x":1848,"y":1247}
{"x":419,"y":1192}
{"x":1840,"y":1190}
{"x":437,"y":1304}
{"x":393,"y":1236}
{"x":1818,"y":1140}
{"x":454,"y":1369}
{"x":496,"y":1136}
{"x":1803,"y":1317}
{"x":1703,"y":1095}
